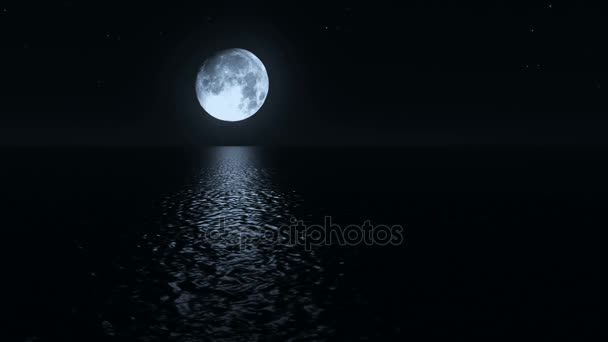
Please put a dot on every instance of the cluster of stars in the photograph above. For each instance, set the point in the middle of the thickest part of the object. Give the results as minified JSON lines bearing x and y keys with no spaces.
{"x":117,"y":36}
{"x":109,"y":36}
{"x":163,"y":34}
{"x":335,"y":28}
{"x":346,"y":12}
{"x":538,"y":66}
{"x":532,"y":29}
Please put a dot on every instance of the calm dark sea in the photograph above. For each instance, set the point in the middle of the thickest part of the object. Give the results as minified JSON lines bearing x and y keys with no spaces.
{"x":187,"y":244}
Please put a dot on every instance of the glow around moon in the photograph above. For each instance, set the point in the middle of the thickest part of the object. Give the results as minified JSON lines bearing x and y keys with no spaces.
{"x":232,"y":85}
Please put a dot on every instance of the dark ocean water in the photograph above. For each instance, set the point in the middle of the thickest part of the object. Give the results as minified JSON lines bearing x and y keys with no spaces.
{"x":181,"y":244}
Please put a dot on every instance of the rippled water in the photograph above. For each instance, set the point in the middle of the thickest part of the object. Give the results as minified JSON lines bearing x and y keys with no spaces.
{"x":236,"y":284}
{"x":173,"y":244}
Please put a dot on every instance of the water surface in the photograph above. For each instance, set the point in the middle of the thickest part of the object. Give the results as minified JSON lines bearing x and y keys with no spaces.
{"x":115,"y":244}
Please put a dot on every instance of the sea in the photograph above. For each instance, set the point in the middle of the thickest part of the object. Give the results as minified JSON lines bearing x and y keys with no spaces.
{"x":242,"y":243}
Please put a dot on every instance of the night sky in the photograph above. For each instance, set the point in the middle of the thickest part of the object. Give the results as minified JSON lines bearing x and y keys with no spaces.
{"x":407,"y":73}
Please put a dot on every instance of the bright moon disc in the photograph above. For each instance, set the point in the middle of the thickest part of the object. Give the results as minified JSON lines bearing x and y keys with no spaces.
{"x":232,"y":85}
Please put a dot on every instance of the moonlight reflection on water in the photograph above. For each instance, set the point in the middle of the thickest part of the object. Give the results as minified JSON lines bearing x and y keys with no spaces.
{"x":221,"y":288}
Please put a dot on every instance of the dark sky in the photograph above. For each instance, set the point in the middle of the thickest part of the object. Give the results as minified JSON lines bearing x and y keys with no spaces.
{"x":341,"y":73}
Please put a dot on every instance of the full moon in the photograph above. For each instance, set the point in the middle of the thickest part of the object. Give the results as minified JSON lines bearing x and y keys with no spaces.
{"x":232,"y":85}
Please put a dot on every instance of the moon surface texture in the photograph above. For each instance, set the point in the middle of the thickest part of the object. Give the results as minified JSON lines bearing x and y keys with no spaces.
{"x":232,"y":85}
